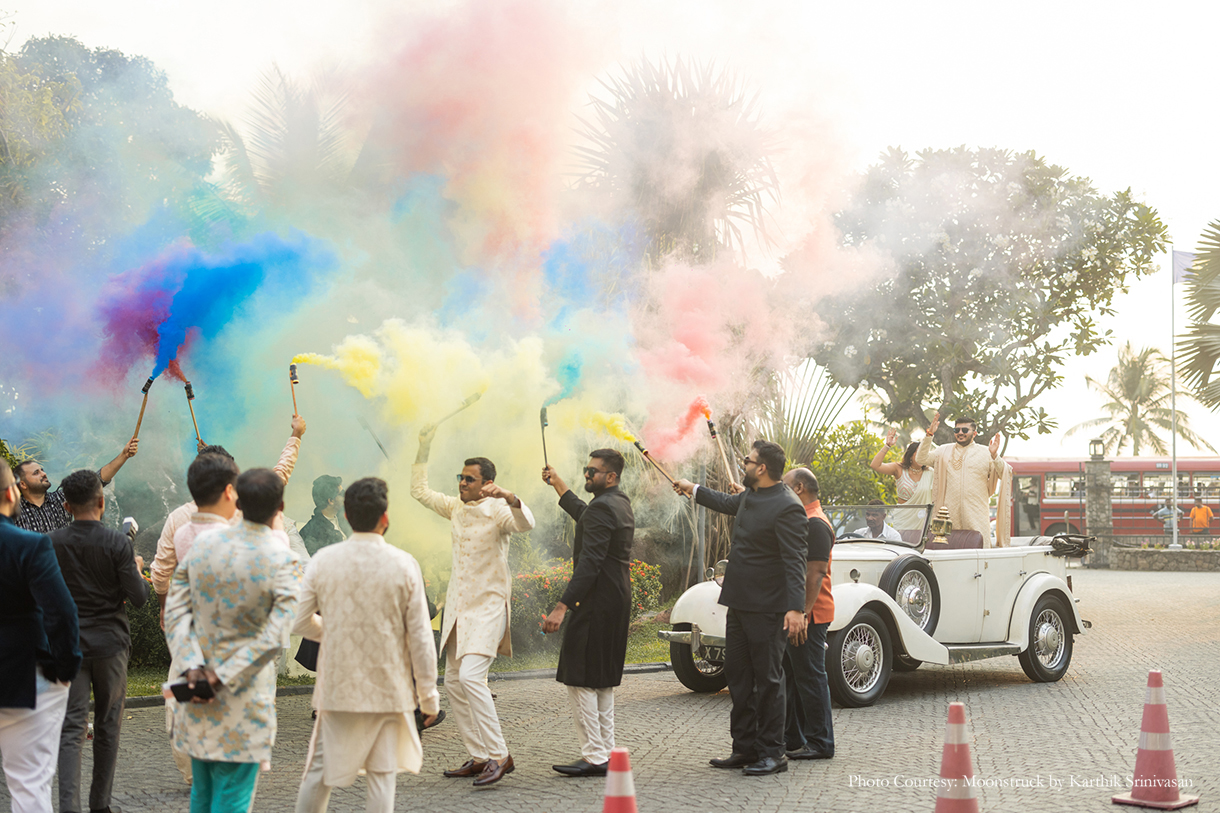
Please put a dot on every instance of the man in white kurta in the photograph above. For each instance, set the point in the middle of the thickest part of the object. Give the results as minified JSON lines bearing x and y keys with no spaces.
{"x":229,"y":604}
{"x":476,"y":625}
{"x":966,"y":477}
{"x":377,"y":661}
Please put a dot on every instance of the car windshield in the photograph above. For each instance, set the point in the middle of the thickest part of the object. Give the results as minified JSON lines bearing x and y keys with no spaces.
{"x":897,"y":524}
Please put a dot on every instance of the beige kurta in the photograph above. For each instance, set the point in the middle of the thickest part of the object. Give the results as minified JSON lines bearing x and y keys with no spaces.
{"x":480,"y":586}
{"x":966,"y":477}
{"x":378,"y":659}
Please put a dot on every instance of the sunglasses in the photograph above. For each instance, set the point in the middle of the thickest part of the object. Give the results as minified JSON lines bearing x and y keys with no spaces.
{"x":962,"y":430}
{"x":591,"y":472}
{"x":747,"y":461}
{"x":467,"y":479}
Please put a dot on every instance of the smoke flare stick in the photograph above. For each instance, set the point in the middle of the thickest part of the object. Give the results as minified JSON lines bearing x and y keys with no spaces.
{"x":292,"y":383}
{"x":544,"y":426}
{"x":711,"y":427}
{"x":190,"y":396}
{"x":464,"y":405}
{"x":657,"y":465}
{"x":136,"y":435}
{"x":376,"y":439}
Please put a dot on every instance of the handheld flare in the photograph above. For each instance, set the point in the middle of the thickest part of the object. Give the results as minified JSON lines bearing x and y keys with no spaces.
{"x":292,"y":384}
{"x":711,"y":427}
{"x":655,"y":464}
{"x":147,"y":384}
{"x":544,"y":425}
{"x":464,"y":405}
{"x":190,"y":396}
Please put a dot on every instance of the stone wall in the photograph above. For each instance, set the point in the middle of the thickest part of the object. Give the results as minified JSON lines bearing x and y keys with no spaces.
{"x":1153,"y":559}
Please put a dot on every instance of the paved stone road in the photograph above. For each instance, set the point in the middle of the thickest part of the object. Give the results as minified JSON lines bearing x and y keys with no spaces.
{"x":1082,"y":729}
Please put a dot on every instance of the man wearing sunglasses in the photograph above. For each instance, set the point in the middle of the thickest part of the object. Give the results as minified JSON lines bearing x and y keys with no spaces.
{"x":597,"y":604}
{"x":476,"y":624}
{"x":966,"y":477}
{"x":764,"y":589}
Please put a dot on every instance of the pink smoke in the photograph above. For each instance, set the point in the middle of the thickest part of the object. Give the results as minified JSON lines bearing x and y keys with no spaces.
{"x":665,"y":441}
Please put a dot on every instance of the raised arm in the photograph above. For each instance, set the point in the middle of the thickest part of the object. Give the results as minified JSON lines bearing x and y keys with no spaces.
{"x":878,"y":463}
{"x":109,"y":470}
{"x":573,"y":505}
{"x":718,"y":501}
{"x":433,"y":500}
{"x":513,"y":517}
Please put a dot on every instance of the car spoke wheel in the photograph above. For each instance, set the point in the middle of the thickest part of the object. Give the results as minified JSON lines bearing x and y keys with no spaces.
{"x":909,"y":580}
{"x":859,"y":660}
{"x":695,"y":672}
{"x":1049,"y":653}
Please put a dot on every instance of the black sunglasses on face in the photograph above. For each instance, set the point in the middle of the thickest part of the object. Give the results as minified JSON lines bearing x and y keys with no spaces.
{"x":592,"y":472}
{"x":467,"y":479}
{"x":746,"y":460}
{"x":962,"y":430}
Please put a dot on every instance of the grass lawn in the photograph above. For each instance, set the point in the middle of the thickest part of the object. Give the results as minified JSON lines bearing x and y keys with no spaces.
{"x":643,"y":646}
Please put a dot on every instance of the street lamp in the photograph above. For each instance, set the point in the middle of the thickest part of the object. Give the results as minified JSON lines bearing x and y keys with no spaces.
{"x":1097,"y":449}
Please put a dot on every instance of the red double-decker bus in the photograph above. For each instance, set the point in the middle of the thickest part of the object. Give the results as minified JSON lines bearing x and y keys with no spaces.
{"x":1048,"y":494}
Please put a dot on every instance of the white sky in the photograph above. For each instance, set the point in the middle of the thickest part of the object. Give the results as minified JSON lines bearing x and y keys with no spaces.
{"x":1116,"y":91}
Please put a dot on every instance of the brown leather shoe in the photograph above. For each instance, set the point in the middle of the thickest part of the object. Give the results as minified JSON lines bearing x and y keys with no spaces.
{"x":470,"y":768}
{"x":494,"y":772}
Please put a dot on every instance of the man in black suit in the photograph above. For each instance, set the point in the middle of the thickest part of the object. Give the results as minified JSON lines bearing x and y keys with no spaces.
{"x":598,"y":598}
{"x":39,"y":655}
{"x":102,"y":573}
{"x":764,"y":589}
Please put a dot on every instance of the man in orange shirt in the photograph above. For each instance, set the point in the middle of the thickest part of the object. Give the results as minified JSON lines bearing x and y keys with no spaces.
{"x":809,"y":730}
{"x":1200,"y":517}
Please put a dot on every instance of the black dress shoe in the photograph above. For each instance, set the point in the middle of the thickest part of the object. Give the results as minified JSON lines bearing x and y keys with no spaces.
{"x":805,"y":752}
{"x":582,"y":768}
{"x":766,"y":766}
{"x":734,"y":760}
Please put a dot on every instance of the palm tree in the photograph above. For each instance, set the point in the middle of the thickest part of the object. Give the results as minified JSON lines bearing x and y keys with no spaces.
{"x":1200,"y":346}
{"x":681,"y":145}
{"x":1139,"y":392}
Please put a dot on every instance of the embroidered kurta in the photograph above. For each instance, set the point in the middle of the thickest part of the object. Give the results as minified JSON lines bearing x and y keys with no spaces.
{"x":230,"y":603}
{"x":166,"y":559}
{"x":377,"y":661}
{"x":477,"y":603}
{"x":966,"y":477}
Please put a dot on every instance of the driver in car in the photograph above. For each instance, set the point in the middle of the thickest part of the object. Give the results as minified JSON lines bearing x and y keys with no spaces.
{"x":877,"y":527}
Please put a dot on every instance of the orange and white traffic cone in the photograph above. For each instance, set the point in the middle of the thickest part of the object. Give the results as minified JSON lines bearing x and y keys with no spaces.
{"x":956,"y":792}
{"x":620,"y":787}
{"x":1155,"y":783}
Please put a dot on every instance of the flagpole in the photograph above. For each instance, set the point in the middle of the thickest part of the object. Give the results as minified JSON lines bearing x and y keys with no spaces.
{"x":1173,"y":395}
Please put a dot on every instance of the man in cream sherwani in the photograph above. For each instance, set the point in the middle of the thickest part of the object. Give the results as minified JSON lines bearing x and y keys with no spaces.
{"x":476,"y":622}
{"x":377,"y":660}
{"x":966,"y":477}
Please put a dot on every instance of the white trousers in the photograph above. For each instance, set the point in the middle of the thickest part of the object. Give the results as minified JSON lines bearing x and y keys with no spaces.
{"x":182,"y":760}
{"x":473,"y":708}
{"x":593,"y":710}
{"x":314,"y":795}
{"x":29,"y":744}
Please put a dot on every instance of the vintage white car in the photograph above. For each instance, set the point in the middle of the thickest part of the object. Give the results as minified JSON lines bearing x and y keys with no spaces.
{"x":899,"y":604}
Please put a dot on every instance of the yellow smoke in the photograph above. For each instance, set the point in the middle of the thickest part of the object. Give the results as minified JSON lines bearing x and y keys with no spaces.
{"x":612,"y":424}
{"x":357,"y":358}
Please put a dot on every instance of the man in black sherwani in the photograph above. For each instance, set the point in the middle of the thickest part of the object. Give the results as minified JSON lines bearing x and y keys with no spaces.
{"x":764,"y":589}
{"x":597,"y":604}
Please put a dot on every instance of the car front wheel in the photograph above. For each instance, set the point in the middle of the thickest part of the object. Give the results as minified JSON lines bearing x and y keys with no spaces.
{"x":694,"y":672}
{"x":1049,"y":653}
{"x":859,"y":660}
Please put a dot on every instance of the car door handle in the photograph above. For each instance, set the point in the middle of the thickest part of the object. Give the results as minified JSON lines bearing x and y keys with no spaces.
{"x":978,"y":575}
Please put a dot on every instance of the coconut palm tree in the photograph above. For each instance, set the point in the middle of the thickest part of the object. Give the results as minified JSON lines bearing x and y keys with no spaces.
{"x":1200,"y":346}
{"x":1138,"y":389}
{"x":681,"y":145}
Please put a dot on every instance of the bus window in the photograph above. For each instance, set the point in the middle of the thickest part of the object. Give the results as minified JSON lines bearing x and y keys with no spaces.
{"x":1127,"y":484}
{"x":1156,"y":485}
{"x":1207,"y":485}
{"x":1064,"y":485}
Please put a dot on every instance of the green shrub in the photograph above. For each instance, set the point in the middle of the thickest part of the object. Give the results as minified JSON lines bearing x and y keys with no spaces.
{"x":147,"y":640}
{"x":535,"y":595}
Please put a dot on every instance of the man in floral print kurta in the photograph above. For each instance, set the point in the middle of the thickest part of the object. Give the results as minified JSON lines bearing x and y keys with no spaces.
{"x":228,"y":605}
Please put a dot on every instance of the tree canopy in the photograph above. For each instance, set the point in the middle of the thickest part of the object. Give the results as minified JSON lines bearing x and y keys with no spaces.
{"x":1200,"y":345}
{"x":1001,"y":264}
